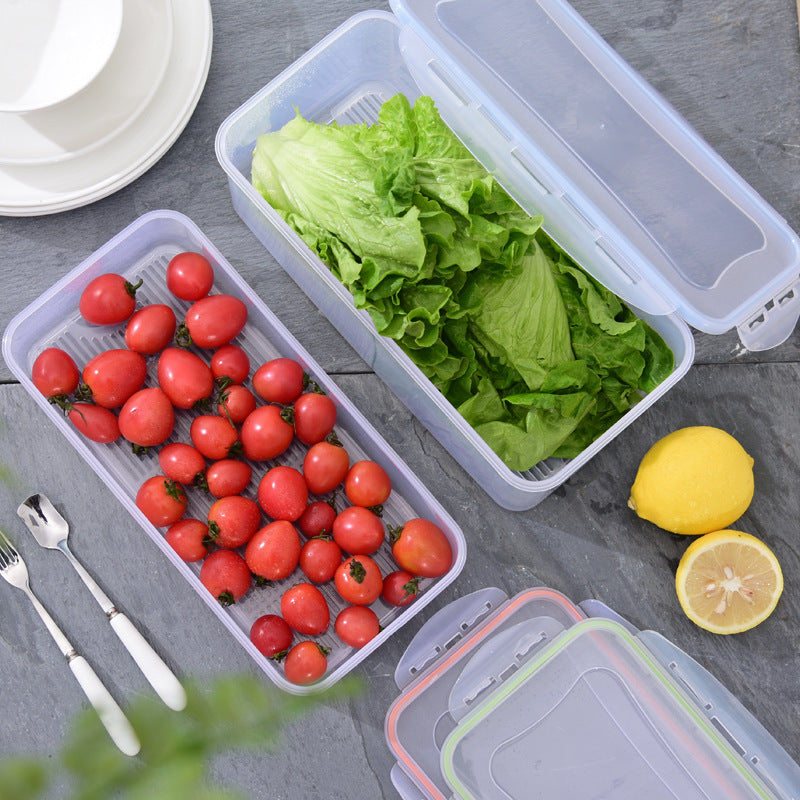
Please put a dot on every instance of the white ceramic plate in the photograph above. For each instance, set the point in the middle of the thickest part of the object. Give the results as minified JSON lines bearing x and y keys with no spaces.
{"x":51,"y":49}
{"x":108,"y":104}
{"x":98,"y":171}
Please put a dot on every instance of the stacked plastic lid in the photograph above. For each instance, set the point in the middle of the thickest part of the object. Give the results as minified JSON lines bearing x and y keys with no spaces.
{"x":622,"y":181}
{"x":535,"y":697}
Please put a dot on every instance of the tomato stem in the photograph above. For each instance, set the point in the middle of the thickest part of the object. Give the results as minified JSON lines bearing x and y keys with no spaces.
{"x":131,"y":288}
{"x":182,"y":336}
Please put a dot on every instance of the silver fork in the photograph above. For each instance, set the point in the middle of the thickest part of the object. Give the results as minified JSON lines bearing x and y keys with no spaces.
{"x":119,"y":728}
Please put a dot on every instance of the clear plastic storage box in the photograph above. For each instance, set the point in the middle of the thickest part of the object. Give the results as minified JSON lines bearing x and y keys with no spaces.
{"x":573,"y":133}
{"x":534,"y":697}
{"x":143,"y":250}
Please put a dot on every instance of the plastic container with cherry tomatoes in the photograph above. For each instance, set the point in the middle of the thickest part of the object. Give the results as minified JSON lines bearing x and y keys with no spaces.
{"x":142,"y":251}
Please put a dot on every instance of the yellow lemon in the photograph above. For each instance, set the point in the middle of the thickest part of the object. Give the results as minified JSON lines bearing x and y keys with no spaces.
{"x":693,"y":481}
{"x":728,"y":581}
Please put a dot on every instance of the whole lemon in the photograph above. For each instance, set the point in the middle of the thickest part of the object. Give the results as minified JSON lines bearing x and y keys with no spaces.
{"x":693,"y":481}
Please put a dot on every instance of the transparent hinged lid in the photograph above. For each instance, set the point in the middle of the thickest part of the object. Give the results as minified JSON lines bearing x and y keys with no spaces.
{"x":623,"y":183}
{"x":592,"y":715}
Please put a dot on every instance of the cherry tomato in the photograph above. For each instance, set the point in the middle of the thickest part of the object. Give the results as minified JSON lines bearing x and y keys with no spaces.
{"x":320,"y":558}
{"x":283,"y":493}
{"x":233,"y":520}
{"x":190,"y":276}
{"x":225,"y":574}
{"x":400,"y":588}
{"x":305,"y":663}
{"x":187,"y":537}
{"x":228,"y":476}
{"x":421,"y":547}
{"x":317,"y":518}
{"x":231,"y":362}
{"x":184,"y":377}
{"x":182,"y":463}
{"x":161,"y":500}
{"x":357,"y":625}
{"x":358,"y":580}
{"x":305,"y":608}
{"x":236,"y":403}
{"x":108,"y":299}
{"x":358,"y":530}
{"x":314,"y":417}
{"x":280,"y":380}
{"x":272,"y":636}
{"x":95,"y":422}
{"x":114,"y":375}
{"x":367,"y":484}
{"x":147,"y":417}
{"x":325,"y":466}
{"x":150,"y":329}
{"x":273,"y":551}
{"x":216,"y":320}
{"x":265,"y":434}
{"x":54,"y":373}
{"x":214,"y":436}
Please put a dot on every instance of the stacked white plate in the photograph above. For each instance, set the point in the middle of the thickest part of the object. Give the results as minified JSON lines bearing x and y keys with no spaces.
{"x":66,"y":145}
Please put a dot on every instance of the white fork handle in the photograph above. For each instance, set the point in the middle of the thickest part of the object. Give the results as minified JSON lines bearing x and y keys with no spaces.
{"x":111,"y":715}
{"x":158,"y":674}
{"x":116,"y":723}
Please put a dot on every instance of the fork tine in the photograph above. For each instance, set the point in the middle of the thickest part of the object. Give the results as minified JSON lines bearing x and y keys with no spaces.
{"x":7,"y":548}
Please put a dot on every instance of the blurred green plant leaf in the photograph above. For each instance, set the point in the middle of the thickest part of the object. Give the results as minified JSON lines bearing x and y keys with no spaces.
{"x":233,"y":712}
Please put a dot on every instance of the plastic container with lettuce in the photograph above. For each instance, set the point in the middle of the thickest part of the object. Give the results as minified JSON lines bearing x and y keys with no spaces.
{"x":536,"y":355}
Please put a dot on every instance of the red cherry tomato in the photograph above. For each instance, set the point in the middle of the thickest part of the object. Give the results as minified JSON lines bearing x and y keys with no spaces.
{"x":216,"y":320}
{"x":283,"y":493}
{"x":161,"y":500}
{"x":305,"y":663}
{"x":184,"y":377}
{"x":272,"y":636}
{"x":317,"y":518}
{"x":325,"y":466}
{"x":95,"y":422}
{"x":190,"y":276}
{"x":187,"y":537}
{"x":214,"y":436}
{"x":108,"y":299}
{"x":320,"y":558}
{"x":236,"y":403}
{"x":280,"y":380}
{"x":400,"y":588}
{"x":55,"y":373}
{"x":305,"y":608}
{"x":231,"y":362}
{"x":314,"y":417}
{"x":358,"y":530}
{"x":421,"y":547}
{"x":367,"y":484}
{"x":225,"y":574}
{"x":233,"y":520}
{"x":358,"y":580}
{"x":114,"y":375}
{"x":228,"y":476}
{"x":357,"y":625}
{"x":150,"y":329}
{"x":265,"y":434}
{"x":182,"y":463}
{"x":147,"y":417}
{"x":274,"y":551}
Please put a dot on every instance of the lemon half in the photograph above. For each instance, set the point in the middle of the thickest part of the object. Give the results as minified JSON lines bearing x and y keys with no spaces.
{"x":693,"y":481}
{"x":728,"y":581}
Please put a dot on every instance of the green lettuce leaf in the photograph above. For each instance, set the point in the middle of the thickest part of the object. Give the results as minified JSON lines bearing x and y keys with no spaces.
{"x":535,"y":354}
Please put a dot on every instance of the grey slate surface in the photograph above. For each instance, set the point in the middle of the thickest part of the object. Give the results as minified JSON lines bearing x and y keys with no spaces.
{"x":731,"y":67}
